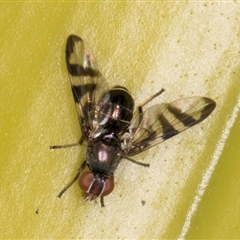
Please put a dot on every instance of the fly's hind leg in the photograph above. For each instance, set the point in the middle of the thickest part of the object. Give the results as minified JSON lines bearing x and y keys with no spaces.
{"x":140,"y":107}
{"x":126,"y":143}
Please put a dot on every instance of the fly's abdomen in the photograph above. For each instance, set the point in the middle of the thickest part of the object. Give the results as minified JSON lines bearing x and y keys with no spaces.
{"x":122,"y":105}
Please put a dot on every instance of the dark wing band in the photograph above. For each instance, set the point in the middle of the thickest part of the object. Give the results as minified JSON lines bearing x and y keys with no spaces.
{"x":88,"y":85}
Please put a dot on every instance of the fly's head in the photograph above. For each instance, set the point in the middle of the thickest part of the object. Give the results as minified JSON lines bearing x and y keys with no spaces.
{"x":94,"y":185}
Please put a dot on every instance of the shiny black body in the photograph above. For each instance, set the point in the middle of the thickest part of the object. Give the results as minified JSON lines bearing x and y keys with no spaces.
{"x":103,"y":153}
{"x":110,"y":130}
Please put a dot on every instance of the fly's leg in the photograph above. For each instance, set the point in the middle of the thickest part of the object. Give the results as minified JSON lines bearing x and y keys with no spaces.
{"x":140,"y":107}
{"x":84,"y":164}
{"x":64,"y":146}
{"x":136,"y":162}
{"x":149,"y":100}
{"x":126,"y":144}
{"x":78,"y":171}
{"x":67,"y":145}
{"x":102,"y":202}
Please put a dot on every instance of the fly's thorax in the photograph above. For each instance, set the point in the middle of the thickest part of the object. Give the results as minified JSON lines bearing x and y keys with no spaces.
{"x":104,"y":154}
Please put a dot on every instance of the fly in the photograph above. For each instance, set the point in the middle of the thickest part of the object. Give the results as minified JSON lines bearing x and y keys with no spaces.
{"x":110,"y":129}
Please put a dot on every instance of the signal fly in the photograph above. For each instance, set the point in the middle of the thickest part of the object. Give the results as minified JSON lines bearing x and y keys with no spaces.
{"x":110,"y":129}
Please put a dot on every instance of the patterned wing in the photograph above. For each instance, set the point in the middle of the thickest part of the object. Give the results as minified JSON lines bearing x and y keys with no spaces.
{"x":88,"y":85}
{"x":163,"y":121}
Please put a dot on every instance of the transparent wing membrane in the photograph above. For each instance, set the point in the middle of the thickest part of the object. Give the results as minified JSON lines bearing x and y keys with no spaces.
{"x":163,"y":121}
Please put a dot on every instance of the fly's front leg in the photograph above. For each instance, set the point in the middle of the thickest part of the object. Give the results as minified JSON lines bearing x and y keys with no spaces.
{"x":84,"y":164}
{"x":102,"y":202}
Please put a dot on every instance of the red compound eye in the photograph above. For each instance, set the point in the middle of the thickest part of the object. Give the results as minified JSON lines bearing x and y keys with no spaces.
{"x":85,"y":180}
{"x":95,"y":184}
{"x":108,"y":187}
